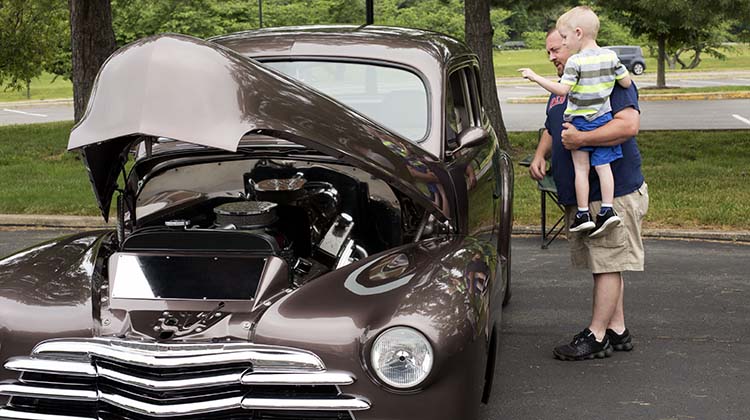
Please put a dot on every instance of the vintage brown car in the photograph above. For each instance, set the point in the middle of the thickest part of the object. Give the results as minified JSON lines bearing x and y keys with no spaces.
{"x":312,"y":223}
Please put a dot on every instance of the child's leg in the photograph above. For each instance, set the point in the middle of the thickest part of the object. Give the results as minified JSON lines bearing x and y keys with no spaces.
{"x":606,"y":182}
{"x":581,"y":165}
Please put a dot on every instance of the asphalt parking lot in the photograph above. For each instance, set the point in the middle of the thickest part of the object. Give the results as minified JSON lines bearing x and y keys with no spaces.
{"x":688,"y":314}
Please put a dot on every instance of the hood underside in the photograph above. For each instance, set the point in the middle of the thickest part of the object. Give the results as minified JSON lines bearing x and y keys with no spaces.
{"x":198,"y":92}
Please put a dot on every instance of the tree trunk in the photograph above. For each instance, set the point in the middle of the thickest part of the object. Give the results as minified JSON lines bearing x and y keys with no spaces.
{"x":672,"y":60}
{"x":696,"y":59}
{"x":28,"y":89}
{"x":92,"y":40}
{"x":660,"y":79}
{"x":678,"y":59}
{"x":479,"y":38}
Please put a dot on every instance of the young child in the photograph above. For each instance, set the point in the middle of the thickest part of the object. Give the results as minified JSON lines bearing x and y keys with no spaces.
{"x":588,"y":78}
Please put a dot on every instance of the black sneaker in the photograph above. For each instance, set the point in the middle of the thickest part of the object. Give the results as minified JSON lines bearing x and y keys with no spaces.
{"x":605,"y":222}
{"x":582,"y":223}
{"x":620,"y":342}
{"x":584,"y":346}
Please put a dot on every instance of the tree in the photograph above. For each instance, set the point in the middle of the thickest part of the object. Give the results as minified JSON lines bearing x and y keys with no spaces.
{"x":705,"y":40}
{"x":92,"y":42}
{"x":444,"y":16}
{"x":672,"y":22}
{"x":30,"y":34}
{"x":135,"y":19}
{"x":479,"y":38}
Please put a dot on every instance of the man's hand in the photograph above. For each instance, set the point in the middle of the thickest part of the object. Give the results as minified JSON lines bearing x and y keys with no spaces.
{"x":571,"y":137}
{"x":624,"y":125}
{"x":538,"y":168}
{"x":528,"y":74}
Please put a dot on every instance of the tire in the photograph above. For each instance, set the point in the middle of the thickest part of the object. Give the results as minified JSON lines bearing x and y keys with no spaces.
{"x":507,"y":295}
{"x":638,"y":68}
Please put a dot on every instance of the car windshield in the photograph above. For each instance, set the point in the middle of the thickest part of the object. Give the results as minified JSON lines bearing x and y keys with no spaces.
{"x":393,"y":97}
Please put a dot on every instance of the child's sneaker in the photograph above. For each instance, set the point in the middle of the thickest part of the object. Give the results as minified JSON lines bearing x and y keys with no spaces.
{"x":582,"y":222}
{"x":605,"y":222}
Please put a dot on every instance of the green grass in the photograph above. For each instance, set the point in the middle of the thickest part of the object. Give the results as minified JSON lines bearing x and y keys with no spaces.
{"x":697,"y":179}
{"x":507,"y":62}
{"x":38,"y":175}
{"x":738,"y":58}
{"x":41,"y":88}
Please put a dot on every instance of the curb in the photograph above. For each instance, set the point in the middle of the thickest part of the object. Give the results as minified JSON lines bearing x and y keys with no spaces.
{"x":703,"y":235}
{"x":95,"y":222}
{"x":54,"y":221}
{"x":40,"y":102}
{"x":651,"y":76}
{"x":708,"y":96}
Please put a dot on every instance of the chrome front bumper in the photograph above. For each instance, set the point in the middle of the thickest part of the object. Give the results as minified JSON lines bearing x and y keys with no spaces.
{"x":85,"y":377}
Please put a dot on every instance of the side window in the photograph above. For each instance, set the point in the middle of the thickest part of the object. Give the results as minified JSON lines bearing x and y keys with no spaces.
{"x":475,"y":93}
{"x":459,"y":106}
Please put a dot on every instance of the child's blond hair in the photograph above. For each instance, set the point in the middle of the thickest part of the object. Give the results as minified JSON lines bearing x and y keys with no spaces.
{"x":580,"y":17}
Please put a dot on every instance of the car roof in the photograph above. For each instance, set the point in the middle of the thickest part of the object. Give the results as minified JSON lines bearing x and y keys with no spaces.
{"x":377,"y":42}
{"x":623,"y":46}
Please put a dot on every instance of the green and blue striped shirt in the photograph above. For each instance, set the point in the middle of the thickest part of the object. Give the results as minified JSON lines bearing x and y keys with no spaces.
{"x":592,"y":74}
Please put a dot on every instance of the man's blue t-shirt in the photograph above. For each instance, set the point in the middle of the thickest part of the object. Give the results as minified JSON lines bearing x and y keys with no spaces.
{"x":626,"y":171}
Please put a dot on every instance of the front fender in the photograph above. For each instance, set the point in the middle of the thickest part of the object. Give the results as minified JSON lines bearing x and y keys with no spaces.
{"x":45,"y":292}
{"x":421,"y":285}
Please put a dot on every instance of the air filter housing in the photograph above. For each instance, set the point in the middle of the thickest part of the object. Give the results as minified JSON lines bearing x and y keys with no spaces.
{"x":246,"y":214}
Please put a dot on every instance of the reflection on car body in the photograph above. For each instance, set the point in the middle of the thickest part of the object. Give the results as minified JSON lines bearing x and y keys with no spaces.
{"x":315,"y":224}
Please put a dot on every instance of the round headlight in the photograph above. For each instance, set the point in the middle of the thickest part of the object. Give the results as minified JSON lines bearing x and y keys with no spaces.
{"x":401,"y":357}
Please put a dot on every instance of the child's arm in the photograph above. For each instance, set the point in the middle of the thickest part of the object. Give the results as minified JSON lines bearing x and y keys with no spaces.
{"x":559,"y":89}
{"x":625,"y":81}
{"x":623,"y":76}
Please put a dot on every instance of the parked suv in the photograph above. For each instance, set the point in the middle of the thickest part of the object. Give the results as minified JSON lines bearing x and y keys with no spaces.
{"x":631,"y":56}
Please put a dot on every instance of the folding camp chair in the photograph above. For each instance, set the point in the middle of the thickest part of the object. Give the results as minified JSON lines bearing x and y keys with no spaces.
{"x":547,"y":189}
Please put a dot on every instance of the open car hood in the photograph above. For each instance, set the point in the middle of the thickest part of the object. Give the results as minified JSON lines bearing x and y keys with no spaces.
{"x":198,"y":92}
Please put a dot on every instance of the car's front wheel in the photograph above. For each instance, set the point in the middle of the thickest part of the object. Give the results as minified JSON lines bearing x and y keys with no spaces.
{"x":638,"y":69}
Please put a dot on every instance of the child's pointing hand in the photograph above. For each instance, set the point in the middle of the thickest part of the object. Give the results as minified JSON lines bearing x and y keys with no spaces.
{"x":528,"y":74}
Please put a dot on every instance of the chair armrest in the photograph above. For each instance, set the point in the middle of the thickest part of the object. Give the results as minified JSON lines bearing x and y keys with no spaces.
{"x":526,"y":161}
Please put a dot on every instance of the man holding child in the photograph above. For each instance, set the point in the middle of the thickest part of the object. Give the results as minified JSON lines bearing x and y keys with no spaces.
{"x":619,"y":247}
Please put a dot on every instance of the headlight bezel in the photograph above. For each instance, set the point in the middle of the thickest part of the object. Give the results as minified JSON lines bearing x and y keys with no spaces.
{"x":377,"y":372}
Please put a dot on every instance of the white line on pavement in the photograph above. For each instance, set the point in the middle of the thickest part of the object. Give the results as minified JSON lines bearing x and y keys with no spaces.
{"x":24,"y":113}
{"x":744,"y":120}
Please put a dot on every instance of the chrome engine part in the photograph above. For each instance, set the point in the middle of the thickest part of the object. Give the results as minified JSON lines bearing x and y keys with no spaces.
{"x":246,"y":214}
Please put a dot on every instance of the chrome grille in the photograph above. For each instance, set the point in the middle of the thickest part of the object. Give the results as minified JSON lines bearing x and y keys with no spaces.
{"x":102,"y":379}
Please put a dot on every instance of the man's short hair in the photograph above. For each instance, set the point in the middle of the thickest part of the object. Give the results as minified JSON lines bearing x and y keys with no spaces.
{"x":580,"y":17}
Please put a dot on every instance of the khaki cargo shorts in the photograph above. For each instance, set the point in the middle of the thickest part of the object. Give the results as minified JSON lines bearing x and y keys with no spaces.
{"x":622,"y":248}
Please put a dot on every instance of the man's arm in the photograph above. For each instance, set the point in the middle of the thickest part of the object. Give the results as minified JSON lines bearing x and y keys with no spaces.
{"x":624,"y":125}
{"x":538,"y":167}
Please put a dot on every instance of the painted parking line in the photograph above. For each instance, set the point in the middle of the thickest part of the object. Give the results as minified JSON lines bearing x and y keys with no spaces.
{"x":744,"y":120}
{"x":24,"y":113}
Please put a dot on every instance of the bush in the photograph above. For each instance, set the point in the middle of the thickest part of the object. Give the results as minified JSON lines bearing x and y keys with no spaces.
{"x":535,"y":39}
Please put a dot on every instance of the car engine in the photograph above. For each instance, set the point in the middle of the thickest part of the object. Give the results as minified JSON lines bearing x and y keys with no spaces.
{"x":305,"y":222}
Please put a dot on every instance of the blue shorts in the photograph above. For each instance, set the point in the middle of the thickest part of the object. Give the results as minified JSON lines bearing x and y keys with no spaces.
{"x":599,"y":155}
